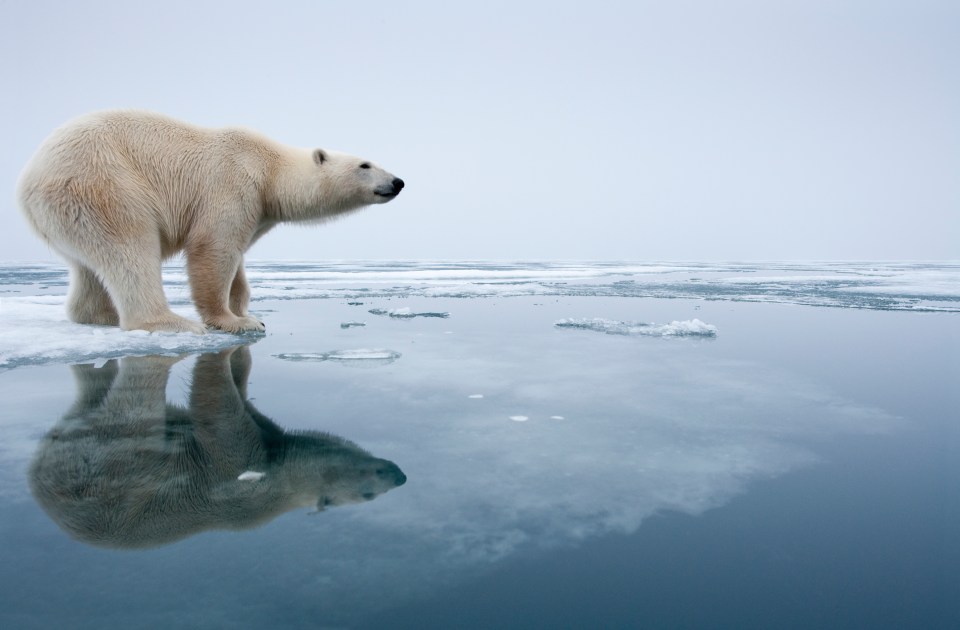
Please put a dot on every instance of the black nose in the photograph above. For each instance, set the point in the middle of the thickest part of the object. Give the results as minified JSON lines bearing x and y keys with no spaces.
{"x":397,"y":184}
{"x":392,"y":472}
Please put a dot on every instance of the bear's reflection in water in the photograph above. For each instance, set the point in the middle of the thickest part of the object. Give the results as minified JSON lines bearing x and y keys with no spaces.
{"x":125,"y":469}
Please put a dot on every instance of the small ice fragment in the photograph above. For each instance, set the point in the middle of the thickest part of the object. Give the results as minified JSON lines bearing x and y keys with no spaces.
{"x":358,"y":356}
{"x":362,"y":354}
{"x":251,"y":475}
{"x":405,"y":313}
{"x":475,"y":396}
{"x":352,"y":324}
{"x":556,"y":417}
{"x":519,"y":418}
{"x":687,"y":328}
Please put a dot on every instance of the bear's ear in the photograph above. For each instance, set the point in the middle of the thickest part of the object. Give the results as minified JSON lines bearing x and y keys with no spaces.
{"x":319,"y":156}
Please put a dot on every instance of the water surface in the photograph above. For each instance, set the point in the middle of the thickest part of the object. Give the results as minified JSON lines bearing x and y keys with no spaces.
{"x":461,"y":460}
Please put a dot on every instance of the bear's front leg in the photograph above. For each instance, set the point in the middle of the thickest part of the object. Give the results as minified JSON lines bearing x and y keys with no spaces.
{"x":212,"y":271}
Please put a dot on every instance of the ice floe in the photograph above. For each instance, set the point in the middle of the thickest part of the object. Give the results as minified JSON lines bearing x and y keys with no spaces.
{"x":686,"y":328}
{"x":35,"y":330}
{"x":352,"y":324}
{"x":364,"y":356}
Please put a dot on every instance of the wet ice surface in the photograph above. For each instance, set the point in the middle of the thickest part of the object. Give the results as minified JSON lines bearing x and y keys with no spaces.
{"x":35,"y":330}
{"x":792,"y":467}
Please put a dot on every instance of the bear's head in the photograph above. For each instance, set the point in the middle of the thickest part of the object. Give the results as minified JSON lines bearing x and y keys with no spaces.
{"x":347,"y":181}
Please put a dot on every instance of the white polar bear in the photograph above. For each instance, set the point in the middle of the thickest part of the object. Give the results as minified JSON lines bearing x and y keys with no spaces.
{"x":116,"y":192}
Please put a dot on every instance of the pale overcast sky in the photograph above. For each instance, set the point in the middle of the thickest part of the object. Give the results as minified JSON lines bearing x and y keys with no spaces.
{"x":689,"y":130}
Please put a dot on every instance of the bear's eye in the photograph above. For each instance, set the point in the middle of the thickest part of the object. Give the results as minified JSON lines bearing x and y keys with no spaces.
{"x":365,"y":165}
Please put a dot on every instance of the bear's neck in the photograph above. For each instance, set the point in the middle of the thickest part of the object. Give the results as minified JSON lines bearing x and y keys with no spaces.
{"x":296,"y":196}
{"x":288,"y":195}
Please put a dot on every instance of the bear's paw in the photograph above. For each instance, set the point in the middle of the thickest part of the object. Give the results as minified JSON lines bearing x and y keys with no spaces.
{"x":169,"y":323}
{"x":234,"y":324}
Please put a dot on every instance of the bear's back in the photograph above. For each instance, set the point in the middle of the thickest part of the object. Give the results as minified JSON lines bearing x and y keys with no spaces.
{"x":122,"y":168}
{"x":123,"y":139}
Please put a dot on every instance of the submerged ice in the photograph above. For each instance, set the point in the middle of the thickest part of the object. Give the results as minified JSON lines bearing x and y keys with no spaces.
{"x":406,"y":313}
{"x":367,"y":356}
{"x":687,"y":328}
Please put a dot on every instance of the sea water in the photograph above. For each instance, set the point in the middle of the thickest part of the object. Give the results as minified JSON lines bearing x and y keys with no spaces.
{"x":581,"y":445}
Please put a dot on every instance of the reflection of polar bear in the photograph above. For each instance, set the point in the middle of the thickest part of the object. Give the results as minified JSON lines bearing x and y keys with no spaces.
{"x":125,"y":469}
{"x":117,"y":192}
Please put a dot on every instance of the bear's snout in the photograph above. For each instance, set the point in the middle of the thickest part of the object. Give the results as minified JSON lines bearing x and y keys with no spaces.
{"x":391,"y":190}
{"x":390,"y":472}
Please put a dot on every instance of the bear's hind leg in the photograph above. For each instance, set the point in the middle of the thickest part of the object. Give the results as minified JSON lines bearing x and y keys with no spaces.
{"x":133,"y":278}
{"x":89,"y":302}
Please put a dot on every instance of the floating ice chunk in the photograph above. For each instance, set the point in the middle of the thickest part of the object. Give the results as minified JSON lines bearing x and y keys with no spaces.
{"x":405,"y":313}
{"x":358,"y":356}
{"x":251,"y":475}
{"x":475,"y":396}
{"x":362,"y":354}
{"x":686,"y":328}
{"x":352,"y":324}
{"x":519,"y":418}
{"x":556,"y":417}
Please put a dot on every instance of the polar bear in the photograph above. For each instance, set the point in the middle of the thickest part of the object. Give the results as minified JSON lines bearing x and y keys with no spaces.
{"x":117,"y":192}
{"x":124,"y":468}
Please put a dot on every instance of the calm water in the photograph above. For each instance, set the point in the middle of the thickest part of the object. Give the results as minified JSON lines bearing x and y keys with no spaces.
{"x":793,"y":461}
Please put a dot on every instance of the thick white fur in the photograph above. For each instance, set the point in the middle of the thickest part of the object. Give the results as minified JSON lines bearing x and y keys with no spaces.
{"x":116,"y":192}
